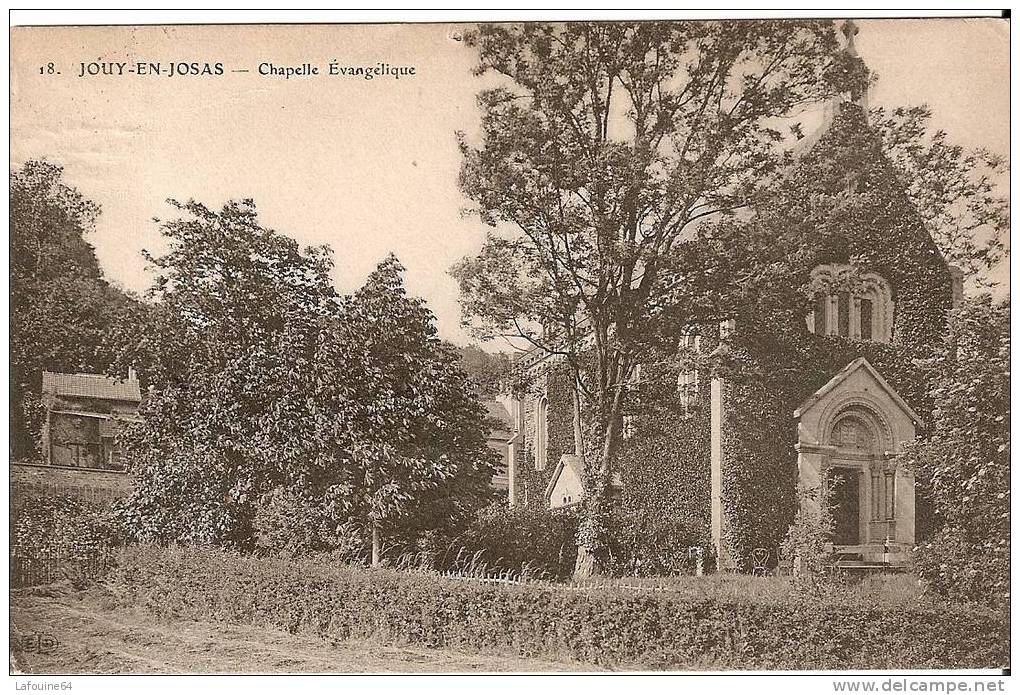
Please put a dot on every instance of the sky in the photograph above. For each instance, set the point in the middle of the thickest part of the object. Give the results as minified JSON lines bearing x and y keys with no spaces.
{"x":367,"y":166}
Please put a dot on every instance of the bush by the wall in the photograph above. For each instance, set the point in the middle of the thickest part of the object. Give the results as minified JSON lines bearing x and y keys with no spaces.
{"x":63,"y":524}
{"x":528,"y":541}
{"x":608,"y":627}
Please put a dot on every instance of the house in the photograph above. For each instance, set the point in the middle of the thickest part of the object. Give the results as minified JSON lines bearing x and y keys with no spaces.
{"x":83,"y":413}
{"x":834,"y":394}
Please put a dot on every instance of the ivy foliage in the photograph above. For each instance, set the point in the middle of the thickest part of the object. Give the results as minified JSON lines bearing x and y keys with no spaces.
{"x":964,"y":459}
{"x":843,"y":203}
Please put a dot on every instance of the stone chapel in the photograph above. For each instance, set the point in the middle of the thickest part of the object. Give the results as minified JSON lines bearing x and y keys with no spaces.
{"x":728,"y":458}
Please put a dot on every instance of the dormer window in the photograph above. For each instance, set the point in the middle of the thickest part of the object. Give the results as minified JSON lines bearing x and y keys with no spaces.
{"x":850,"y":306}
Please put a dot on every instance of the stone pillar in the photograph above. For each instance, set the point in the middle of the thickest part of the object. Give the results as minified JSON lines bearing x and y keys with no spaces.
{"x":864,"y":507}
{"x":717,"y":456}
{"x":46,"y":444}
{"x":718,"y":387}
{"x":512,"y":447}
{"x":904,"y":505}
{"x":511,"y":474}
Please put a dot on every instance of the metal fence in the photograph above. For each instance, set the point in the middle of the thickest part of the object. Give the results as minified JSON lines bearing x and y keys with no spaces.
{"x":35,"y":566}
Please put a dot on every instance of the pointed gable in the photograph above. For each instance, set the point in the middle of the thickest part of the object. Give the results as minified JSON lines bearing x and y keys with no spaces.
{"x":870,"y":375}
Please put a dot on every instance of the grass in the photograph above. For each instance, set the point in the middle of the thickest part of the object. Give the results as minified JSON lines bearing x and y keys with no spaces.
{"x":95,"y":636}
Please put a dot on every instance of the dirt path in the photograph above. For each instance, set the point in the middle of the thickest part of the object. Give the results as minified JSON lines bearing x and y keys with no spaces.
{"x":91,"y":637}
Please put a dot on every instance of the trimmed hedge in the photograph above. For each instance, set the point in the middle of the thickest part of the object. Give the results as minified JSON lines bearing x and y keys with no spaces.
{"x":608,"y":627}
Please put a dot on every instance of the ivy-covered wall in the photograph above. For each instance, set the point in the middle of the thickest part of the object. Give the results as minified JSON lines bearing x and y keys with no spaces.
{"x":552,"y":380}
{"x":665,"y":465}
{"x":845,"y":198}
{"x":841,"y":203}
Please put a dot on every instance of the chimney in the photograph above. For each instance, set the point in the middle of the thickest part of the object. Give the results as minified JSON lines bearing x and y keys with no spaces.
{"x":957,"y":275}
{"x":132,"y":374}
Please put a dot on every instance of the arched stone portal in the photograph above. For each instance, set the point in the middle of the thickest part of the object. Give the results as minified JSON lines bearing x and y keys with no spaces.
{"x":850,"y":433}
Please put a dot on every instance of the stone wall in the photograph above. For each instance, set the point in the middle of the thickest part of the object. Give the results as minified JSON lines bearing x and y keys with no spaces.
{"x":29,"y":480}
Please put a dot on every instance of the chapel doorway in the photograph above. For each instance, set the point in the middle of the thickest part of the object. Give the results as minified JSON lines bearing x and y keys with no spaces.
{"x":844,"y":496}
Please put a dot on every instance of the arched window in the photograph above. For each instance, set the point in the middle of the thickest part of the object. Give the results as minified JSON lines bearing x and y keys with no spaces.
{"x":687,"y":380}
{"x":853,"y":434}
{"x":541,"y":432}
{"x":851,"y":306}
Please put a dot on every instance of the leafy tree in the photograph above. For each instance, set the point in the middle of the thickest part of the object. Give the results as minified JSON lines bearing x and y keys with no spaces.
{"x":487,"y":371}
{"x":956,"y":190}
{"x":62,"y":308}
{"x":602,"y":152}
{"x":272,"y":392}
{"x":963,"y":461}
{"x":425,"y":425}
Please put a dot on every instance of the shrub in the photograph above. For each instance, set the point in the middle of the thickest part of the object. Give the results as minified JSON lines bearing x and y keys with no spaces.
{"x":952,"y":564}
{"x":964,"y":460}
{"x":63,"y":524}
{"x":525,"y":541}
{"x":649,"y":545}
{"x":290,"y":524}
{"x":609,"y":627}
{"x":809,"y":540}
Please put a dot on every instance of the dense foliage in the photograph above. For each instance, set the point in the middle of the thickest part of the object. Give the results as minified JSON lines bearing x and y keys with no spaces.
{"x":527,"y":542}
{"x":605,"y":146}
{"x":489,"y":372}
{"x":267,"y":387}
{"x":958,"y":192}
{"x":62,"y":309}
{"x":608,"y":627}
{"x":64,"y":524}
{"x":964,"y":458}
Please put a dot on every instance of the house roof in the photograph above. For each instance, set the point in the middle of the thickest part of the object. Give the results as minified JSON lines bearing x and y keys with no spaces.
{"x":91,"y":386}
{"x":843,"y":374}
{"x":566,"y":461}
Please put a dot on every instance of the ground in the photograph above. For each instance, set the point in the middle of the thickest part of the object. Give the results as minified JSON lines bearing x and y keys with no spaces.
{"x":93,"y":637}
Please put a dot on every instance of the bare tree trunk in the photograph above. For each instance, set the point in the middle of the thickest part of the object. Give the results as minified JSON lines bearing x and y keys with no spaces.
{"x":375,"y":542}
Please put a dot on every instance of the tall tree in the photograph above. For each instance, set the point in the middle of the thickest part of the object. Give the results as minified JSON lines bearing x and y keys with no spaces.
{"x":418,"y":414}
{"x":62,"y":308}
{"x":272,"y":394}
{"x":488,"y":371}
{"x":604,"y":149}
{"x":957,"y":191}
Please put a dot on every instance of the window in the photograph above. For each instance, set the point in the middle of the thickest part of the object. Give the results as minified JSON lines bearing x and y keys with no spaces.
{"x":687,"y":380}
{"x":632,"y":401}
{"x":541,"y":432}
{"x":883,"y":496}
{"x":858,"y":307}
{"x":628,"y":426}
{"x":866,"y":319}
{"x":852,"y":433}
{"x":820,"y":324}
{"x":843,"y":306}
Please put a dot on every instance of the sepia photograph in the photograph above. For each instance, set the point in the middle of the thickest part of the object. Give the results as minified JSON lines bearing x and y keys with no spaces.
{"x":552,"y":345}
